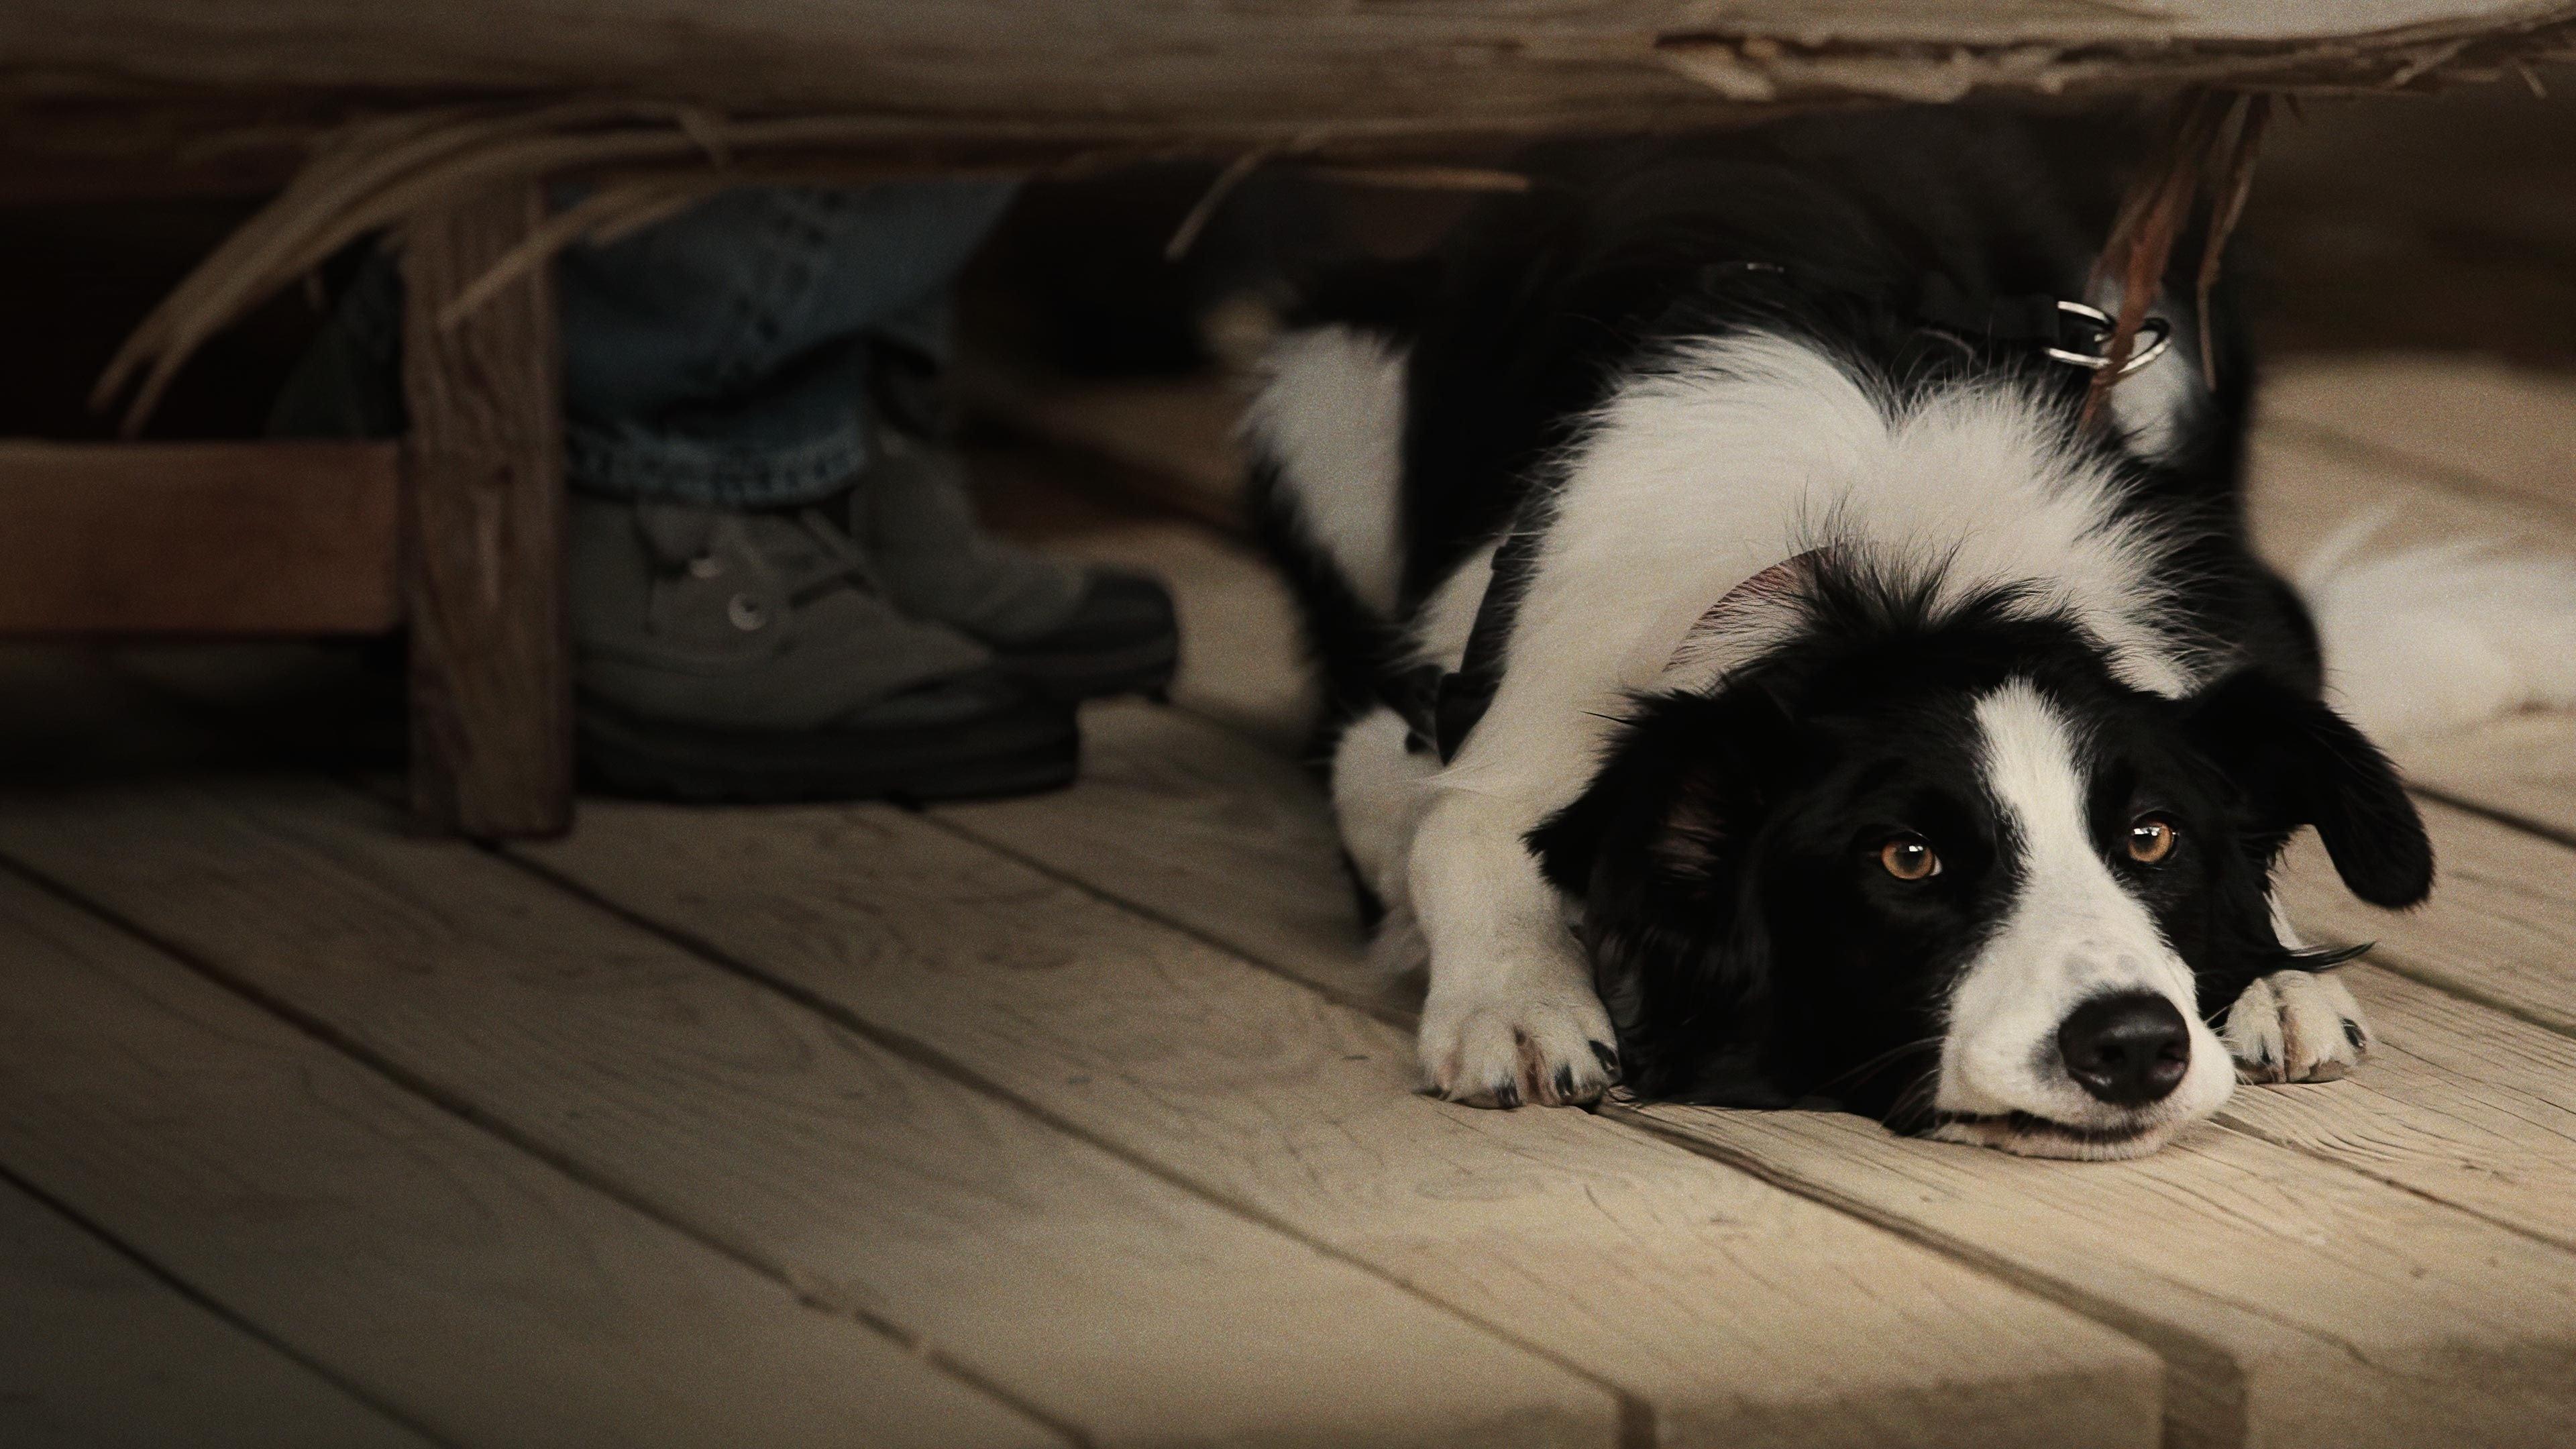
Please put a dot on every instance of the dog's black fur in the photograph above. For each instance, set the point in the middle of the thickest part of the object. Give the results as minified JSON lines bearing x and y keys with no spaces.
{"x":1748,"y":949}
{"x":1728,"y":835}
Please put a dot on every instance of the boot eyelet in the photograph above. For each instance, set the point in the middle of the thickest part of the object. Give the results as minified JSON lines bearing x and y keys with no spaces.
{"x":746,"y":613}
{"x":706,"y":566}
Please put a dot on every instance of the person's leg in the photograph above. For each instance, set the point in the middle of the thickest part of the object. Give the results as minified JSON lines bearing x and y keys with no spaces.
{"x":732,"y":639}
{"x":1074,"y":633}
{"x":721,"y":358}
{"x":775,"y":346}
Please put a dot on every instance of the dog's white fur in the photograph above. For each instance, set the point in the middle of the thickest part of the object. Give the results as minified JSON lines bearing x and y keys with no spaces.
{"x":1739,"y":453}
{"x":1736,"y":454}
{"x":1376,"y":784}
{"x":2072,"y":934}
{"x":1331,"y":411}
{"x":2432,"y":639}
{"x":2295,"y":1026}
{"x":2153,"y":406}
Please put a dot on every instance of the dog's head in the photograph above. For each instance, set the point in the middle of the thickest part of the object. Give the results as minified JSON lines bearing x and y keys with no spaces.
{"x":1958,"y":876}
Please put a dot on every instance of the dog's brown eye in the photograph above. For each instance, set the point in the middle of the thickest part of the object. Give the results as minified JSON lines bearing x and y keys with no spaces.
{"x":1909,"y":857}
{"x":2151,"y":839}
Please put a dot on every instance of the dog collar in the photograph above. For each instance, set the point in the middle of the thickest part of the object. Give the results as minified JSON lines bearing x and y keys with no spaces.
{"x":2073,"y":333}
{"x":1440,"y":707}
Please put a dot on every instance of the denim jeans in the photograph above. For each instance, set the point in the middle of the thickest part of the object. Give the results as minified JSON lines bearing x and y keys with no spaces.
{"x":718,"y":358}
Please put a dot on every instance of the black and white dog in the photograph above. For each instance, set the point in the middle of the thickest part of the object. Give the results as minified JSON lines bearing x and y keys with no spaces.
{"x":1754,"y":684}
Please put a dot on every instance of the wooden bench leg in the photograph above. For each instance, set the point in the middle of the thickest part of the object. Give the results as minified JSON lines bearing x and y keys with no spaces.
{"x":491,"y":648}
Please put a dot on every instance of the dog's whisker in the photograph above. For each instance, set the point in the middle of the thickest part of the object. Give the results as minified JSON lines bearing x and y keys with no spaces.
{"x":1891,"y":1054}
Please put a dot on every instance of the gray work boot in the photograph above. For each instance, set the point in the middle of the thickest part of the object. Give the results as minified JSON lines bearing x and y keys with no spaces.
{"x":752,"y":656}
{"x":1073,"y":633}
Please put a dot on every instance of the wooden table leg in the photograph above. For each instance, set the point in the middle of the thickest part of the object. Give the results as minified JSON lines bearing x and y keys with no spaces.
{"x":491,"y":648}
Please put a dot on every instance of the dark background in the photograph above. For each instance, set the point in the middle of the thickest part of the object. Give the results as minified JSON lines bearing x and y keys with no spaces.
{"x":2444,"y":223}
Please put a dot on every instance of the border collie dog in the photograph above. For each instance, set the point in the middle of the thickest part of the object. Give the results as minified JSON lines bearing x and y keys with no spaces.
{"x":1756,"y":684}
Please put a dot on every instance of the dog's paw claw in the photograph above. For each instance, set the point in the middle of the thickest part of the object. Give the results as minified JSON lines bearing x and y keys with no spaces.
{"x":2296,"y":1026}
{"x":1608,"y":1056}
{"x":1548,"y":1050}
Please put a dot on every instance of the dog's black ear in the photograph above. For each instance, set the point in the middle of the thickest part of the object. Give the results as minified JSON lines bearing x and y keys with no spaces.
{"x":1654,"y":850}
{"x":2296,"y":762}
{"x":1673,"y":796}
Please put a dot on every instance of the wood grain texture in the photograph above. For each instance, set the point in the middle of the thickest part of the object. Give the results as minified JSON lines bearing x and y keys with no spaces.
{"x":1233,"y":68}
{"x":2294,"y":1301}
{"x":1243,"y":652}
{"x":2500,"y":928}
{"x":482,"y":1293}
{"x":2304,"y":487}
{"x":2456,"y":1101}
{"x":1124,"y":1307}
{"x":1732,"y":1312}
{"x":97,"y":1353}
{"x":2250,"y":1310}
{"x":491,"y":645}
{"x":2523,"y":768}
{"x":198,"y":538}
{"x":2480,"y":426}
{"x":1209,"y":830}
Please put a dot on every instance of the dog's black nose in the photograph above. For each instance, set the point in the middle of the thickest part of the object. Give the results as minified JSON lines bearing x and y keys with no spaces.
{"x":2129,"y":1049}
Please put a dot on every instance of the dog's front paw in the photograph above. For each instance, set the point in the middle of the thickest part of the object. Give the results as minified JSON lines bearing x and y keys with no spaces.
{"x":1554,"y":1048}
{"x":2296,"y":1026}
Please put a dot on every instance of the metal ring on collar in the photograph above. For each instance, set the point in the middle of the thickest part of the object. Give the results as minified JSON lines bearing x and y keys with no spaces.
{"x":2156,"y":332}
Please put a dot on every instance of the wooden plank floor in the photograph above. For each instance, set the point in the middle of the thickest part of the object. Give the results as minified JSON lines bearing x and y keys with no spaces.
{"x":1080,"y":1120}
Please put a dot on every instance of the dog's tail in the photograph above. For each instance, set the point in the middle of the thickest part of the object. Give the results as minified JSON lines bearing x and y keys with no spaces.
{"x":2441,"y":637}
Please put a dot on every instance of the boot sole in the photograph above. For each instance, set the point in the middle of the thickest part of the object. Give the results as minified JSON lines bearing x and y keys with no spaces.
{"x":1144,"y":668}
{"x":1016,"y":754}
